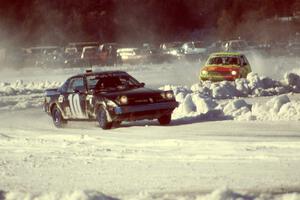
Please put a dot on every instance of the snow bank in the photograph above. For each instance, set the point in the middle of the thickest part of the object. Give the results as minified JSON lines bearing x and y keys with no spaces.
{"x":204,"y":98}
{"x":76,"y":195}
{"x":252,"y":86}
{"x":21,"y":95}
{"x":193,"y":105}
{"x":20,"y":87}
{"x":277,"y":108}
{"x":237,"y":109}
{"x":20,"y":103}
{"x":219,"y":194}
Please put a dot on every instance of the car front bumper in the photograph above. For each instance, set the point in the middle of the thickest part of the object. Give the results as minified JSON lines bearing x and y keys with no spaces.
{"x":218,"y":77}
{"x":146,"y":111}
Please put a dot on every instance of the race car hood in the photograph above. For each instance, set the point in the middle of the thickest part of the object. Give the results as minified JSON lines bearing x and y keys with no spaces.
{"x":136,"y":95}
{"x":133,"y":92}
{"x":221,"y":68}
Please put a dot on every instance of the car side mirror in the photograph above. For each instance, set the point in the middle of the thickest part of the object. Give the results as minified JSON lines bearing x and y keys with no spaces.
{"x":142,"y":84}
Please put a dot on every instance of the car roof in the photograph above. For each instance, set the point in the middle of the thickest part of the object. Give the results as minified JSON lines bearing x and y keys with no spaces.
{"x":236,"y":41}
{"x":126,"y":49}
{"x":101,"y":72}
{"x":226,"y":54}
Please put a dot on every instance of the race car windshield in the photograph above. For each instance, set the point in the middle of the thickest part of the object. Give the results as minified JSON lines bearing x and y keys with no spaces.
{"x":224,"y":61}
{"x":111,"y":82}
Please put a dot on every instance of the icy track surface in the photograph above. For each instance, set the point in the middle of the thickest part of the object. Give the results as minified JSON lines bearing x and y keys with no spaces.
{"x":237,"y":140}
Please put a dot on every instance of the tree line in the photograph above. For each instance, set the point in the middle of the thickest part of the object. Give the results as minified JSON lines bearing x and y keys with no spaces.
{"x":31,"y":22}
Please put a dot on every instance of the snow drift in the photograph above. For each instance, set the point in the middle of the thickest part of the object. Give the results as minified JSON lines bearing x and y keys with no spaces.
{"x":20,"y":87}
{"x":278,"y":108}
{"x":205,"y":97}
{"x":218,"y":194}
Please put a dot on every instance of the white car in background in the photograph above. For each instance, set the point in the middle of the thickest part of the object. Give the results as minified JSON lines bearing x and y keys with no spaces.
{"x":194,"y":50}
{"x":130,"y":55}
{"x":90,"y":55}
{"x":235,"y":46}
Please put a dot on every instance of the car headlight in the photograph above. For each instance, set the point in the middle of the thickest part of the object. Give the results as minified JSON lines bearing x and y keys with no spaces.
{"x":123,"y":100}
{"x":233,"y":73}
{"x":168,"y":95}
{"x":204,"y":72}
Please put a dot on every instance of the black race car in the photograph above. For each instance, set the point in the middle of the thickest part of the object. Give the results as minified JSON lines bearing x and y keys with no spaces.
{"x":109,"y":97}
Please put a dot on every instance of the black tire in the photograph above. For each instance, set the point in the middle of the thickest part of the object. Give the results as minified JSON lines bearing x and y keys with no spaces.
{"x":102,"y":119}
{"x":164,"y":120}
{"x":57,"y":118}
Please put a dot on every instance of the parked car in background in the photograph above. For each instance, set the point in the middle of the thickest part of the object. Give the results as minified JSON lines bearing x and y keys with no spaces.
{"x":72,"y":57}
{"x":80,"y":45}
{"x":193,"y":51}
{"x":172,"y":48}
{"x":44,"y":56}
{"x":131,"y":55}
{"x":214,"y":47}
{"x":108,"y":54}
{"x":235,"y":46}
{"x":90,"y":55}
{"x":225,"y":66}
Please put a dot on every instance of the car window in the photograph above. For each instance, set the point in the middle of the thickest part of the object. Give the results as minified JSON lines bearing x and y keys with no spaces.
{"x":215,"y":61}
{"x":64,"y":87}
{"x":76,"y":84}
{"x":111,"y":82}
{"x":231,"y":60}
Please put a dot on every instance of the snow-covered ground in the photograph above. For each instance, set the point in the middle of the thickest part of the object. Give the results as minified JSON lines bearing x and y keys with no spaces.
{"x":228,"y":140}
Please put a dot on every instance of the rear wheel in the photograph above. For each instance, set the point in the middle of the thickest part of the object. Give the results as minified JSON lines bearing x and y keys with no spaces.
{"x":57,"y":117}
{"x":164,"y":120}
{"x":102,"y":119}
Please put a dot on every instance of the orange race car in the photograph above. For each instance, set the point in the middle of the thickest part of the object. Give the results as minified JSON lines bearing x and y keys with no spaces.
{"x":225,"y":66}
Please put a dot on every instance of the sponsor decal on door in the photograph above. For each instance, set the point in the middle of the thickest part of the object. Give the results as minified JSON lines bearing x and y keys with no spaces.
{"x":75,"y":107}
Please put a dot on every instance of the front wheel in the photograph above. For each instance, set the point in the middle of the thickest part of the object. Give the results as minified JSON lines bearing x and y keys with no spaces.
{"x":102,"y":119}
{"x":164,"y":120}
{"x":57,"y":117}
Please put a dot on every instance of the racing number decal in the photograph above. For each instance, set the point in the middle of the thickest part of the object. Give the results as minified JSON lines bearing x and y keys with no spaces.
{"x":76,"y":110}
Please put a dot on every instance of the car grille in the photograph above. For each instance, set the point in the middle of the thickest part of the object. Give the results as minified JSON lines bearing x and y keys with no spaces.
{"x":221,"y":73}
{"x":144,"y":100}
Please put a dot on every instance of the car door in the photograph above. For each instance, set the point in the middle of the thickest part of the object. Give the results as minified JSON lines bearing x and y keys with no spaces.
{"x":75,"y":99}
